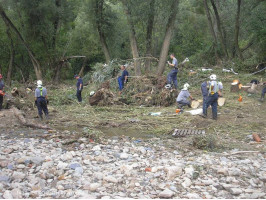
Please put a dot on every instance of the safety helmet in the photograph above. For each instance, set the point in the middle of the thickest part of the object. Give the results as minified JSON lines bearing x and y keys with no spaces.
{"x":213,"y":77}
{"x":39,"y":83}
{"x":168,"y":86}
{"x":186,"y":86}
{"x":1,"y":76}
{"x":92,"y":93}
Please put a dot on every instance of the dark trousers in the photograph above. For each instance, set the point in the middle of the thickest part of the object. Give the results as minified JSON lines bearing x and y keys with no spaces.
{"x":212,"y":100}
{"x":263,"y":92}
{"x":1,"y":102}
{"x":172,"y":77}
{"x":204,"y":101}
{"x":42,"y":106}
{"x":120,"y":83}
{"x":181,"y":104}
{"x":79,"y":95}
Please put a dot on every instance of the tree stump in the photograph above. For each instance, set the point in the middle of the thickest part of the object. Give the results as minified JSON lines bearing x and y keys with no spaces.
{"x":235,"y":88}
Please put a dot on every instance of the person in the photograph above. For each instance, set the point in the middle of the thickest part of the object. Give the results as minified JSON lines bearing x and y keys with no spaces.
{"x":172,"y":76}
{"x":41,"y":100}
{"x":2,"y":86}
{"x":214,"y":91}
{"x":263,"y":92}
{"x":204,"y":92}
{"x":79,"y":87}
{"x":182,"y":98}
{"x":123,"y":78}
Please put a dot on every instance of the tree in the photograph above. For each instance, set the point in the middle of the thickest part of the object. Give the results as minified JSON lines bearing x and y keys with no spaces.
{"x":167,"y":37}
{"x":12,"y":55}
{"x":215,"y":43}
{"x":150,"y":22}
{"x":132,"y":38}
{"x":236,"y":49}
{"x":35,"y":62}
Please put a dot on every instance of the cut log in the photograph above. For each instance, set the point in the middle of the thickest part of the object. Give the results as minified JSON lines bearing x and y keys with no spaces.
{"x":235,"y":88}
{"x":25,"y":122}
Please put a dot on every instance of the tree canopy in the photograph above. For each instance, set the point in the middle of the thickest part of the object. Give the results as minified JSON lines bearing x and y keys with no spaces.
{"x":53,"y":39}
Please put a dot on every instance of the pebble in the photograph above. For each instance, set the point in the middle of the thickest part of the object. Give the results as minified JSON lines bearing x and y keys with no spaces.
{"x":166,"y":194}
{"x":124,"y":156}
{"x":235,"y":191}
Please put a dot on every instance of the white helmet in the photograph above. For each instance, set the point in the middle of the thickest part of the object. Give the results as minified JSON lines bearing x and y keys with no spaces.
{"x":213,"y":77}
{"x":186,"y":86}
{"x":39,"y":83}
{"x":92,"y":93}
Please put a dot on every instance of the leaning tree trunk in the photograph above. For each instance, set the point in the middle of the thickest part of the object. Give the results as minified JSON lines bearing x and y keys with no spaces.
{"x":81,"y":72}
{"x":220,"y":30}
{"x":133,"y":40}
{"x":12,"y":55}
{"x":99,"y":22}
{"x":35,"y":62}
{"x":167,"y":38}
{"x":236,"y":45}
{"x":149,"y":37}
{"x":215,"y":43}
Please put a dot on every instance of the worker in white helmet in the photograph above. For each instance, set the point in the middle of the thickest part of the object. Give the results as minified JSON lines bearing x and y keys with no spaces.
{"x":41,"y":100}
{"x":182,"y":98}
{"x":214,"y":91}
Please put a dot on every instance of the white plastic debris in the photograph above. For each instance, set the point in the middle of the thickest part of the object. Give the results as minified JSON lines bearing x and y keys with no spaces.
{"x":195,"y":111}
{"x":206,"y":69}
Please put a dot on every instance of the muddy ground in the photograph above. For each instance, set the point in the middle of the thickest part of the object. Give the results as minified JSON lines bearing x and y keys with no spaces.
{"x":71,"y":120}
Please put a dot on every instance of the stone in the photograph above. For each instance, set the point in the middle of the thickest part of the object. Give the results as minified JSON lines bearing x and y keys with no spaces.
{"x":21,"y":166}
{"x":16,"y":193}
{"x":21,"y":160}
{"x":74,"y":165}
{"x":193,"y":196}
{"x":61,"y":165}
{"x":87,"y":162}
{"x":173,"y":171}
{"x":235,"y":191}
{"x":189,"y":171}
{"x":223,"y":171}
{"x":7,"y":195}
{"x":187,"y":182}
{"x":4,"y":178}
{"x":79,"y":170}
{"x":3,"y":163}
{"x":98,"y":175}
{"x":110,"y":179}
{"x":96,"y":148}
{"x":234,"y":172}
{"x":37,"y":160}
{"x":18,"y":175}
{"x":60,"y":187}
{"x":94,"y":186}
{"x":124,"y":156}
{"x":67,"y":156}
{"x":166,"y":194}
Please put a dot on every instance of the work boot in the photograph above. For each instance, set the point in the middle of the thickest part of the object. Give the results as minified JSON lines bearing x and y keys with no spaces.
{"x":203,"y":115}
{"x":41,"y":118}
{"x":214,"y":116}
{"x":261,"y":99}
{"x":47,"y":117}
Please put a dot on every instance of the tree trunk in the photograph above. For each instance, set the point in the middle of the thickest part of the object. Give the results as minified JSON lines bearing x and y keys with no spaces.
{"x":220,"y":30}
{"x":133,"y":40}
{"x":56,"y":22}
{"x":81,"y":72}
{"x":149,"y":36}
{"x":167,"y":38}
{"x":215,"y":44}
{"x":35,"y":62}
{"x":99,"y":22}
{"x":58,"y":71}
{"x":236,"y":49}
{"x":12,"y":55}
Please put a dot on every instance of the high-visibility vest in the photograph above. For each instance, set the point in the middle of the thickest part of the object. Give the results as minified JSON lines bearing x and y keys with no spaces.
{"x":212,"y":92}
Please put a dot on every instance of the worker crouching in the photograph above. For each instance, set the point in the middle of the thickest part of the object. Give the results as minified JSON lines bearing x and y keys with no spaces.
{"x":41,"y":100}
{"x":182,"y":98}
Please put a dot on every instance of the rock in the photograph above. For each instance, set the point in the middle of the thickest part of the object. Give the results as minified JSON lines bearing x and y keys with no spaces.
{"x":189,"y":171}
{"x":18,"y":175}
{"x":4,"y":178}
{"x":21,"y":166}
{"x":60,"y":187}
{"x":79,"y":170}
{"x":110,"y":179}
{"x":187,"y":182}
{"x":3,"y":163}
{"x":21,"y":160}
{"x":61,"y":165}
{"x":37,"y":160}
{"x":223,"y":171}
{"x":193,"y":196}
{"x":166,"y":194}
{"x":94,"y":186}
{"x":87,"y":162}
{"x":98,"y":175}
{"x":235,"y":191}
{"x":234,"y":172}
{"x":74,"y":165}
{"x":16,"y":193}
{"x":67,"y":156}
{"x":124,"y":156}
{"x":7,"y":195}
{"x":96,"y":148}
{"x":173,"y":171}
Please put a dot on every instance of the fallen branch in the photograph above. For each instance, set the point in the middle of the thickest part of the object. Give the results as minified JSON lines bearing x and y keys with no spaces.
{"x":240,"y":152}
{"x":258,"y":71}
{"x":24,"y":122}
